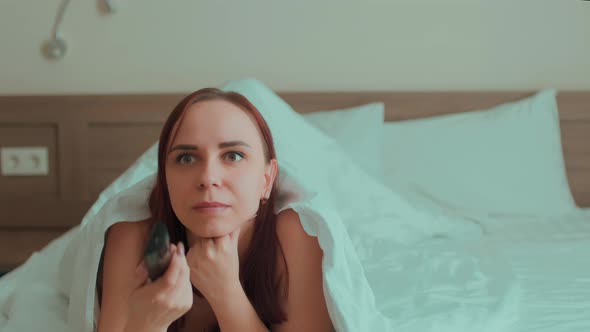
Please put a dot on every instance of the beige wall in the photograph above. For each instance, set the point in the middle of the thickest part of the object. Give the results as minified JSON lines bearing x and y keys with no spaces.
{"x":181,"y":45}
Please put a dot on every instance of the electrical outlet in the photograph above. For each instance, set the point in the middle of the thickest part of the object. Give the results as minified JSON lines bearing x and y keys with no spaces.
{"x":24,"y":161}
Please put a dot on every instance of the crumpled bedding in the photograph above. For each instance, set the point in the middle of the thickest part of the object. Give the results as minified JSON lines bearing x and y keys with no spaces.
{"x":387,"y":266}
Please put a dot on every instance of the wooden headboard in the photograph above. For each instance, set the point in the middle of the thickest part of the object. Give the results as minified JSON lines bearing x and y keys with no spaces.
{"x":93,"y":139}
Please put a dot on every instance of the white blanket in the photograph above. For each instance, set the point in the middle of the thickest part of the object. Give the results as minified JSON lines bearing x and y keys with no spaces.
{"x":549,"y":258}
{"x":381,"y":271}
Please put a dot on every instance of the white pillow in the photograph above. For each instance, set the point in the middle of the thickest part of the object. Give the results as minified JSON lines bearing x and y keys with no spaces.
{"x":368,"y":209}
{"x":506,"y":159}
{"x":359,"y":130}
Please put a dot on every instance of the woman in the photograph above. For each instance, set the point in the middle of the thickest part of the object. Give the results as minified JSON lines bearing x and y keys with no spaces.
{"x":236,"y":265}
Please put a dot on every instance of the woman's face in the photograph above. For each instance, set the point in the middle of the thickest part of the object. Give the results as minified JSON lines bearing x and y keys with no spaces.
{"x":217,"y":157}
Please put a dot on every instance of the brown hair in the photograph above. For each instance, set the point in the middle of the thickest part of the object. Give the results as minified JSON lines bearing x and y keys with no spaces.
{"x":258,"y":270}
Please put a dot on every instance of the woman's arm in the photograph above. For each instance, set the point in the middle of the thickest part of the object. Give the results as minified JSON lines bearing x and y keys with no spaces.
{"x":215,"y":267}
{"x":123,"y":251}
{"x":305,"y":305}
{"x":234,"y":312}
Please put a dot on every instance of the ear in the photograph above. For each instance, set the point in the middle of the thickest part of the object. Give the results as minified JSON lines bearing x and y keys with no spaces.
{"x":270,"y":173}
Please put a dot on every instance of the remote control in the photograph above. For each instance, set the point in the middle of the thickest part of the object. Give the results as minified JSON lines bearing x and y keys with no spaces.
{"x":157,"y":251}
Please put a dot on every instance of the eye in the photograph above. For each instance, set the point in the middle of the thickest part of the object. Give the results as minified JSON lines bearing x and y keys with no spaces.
{"x":184,"y":159}
{"x":234,"y":156}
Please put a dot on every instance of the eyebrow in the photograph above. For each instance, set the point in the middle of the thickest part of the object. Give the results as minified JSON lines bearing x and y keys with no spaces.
{"x":222,"y":145}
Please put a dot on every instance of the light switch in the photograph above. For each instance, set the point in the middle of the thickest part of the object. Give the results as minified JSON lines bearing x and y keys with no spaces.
{"x":24,"y":161}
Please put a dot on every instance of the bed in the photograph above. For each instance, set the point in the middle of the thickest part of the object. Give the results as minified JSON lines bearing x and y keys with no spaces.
{"x":538,"y":237}
{"x":545,"y":250}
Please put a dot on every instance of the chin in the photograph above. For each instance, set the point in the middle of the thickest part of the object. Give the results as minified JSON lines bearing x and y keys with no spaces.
{"x":211,"y":232}
{"x":211,"y":227}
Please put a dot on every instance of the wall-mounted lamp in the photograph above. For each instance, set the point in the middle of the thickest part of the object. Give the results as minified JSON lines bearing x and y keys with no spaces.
{"x":111,"y":5}
{"x":55,"y":48}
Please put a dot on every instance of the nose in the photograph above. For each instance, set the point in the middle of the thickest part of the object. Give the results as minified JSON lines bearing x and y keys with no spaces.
{"x":208,"y":183}
{"x":209,"y":177}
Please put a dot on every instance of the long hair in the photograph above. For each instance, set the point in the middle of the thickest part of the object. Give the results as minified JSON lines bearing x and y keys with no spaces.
{"x":258,"y":270}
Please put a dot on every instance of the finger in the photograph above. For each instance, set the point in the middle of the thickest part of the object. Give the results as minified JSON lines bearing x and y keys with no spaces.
{"x":218,"y":240}
{"x":183,"y":283}
{"x":171,"y":275}
{"x":183,"y":265}
{"x":225,"y":242}
{"x":210,"y":247}
{"x":199,"y":241}
{"x":235,"y":235}
{"x":141,"y":275}
{"x":195,"y":250}
{"x":231,"y":240}
{"x":181,"y":248}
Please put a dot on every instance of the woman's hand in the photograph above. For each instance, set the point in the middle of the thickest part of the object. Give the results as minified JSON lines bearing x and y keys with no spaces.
{"x":154,"y":305}
{"x":215,"y":266}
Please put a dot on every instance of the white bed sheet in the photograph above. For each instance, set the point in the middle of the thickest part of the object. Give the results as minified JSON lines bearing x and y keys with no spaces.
{"x":443,"y":285}
{"x":549,"y":258}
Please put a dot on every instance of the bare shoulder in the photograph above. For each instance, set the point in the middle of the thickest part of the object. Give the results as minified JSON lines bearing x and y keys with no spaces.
{"x":305,"y":304}
{"x":299,"y":248}
{"x":124,"y":245}
{"x":130,"y":230}
{"x":296,"y":244}
{"x":122,"y":254}
{"x":125,"y":240}
{"x":290,"y":230}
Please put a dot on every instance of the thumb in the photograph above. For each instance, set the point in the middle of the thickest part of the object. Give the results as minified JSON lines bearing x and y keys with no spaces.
{"x":235,"y":235}
{"x":141,"y":275}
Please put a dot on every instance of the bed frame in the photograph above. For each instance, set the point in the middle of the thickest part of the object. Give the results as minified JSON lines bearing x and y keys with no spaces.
{"x":93,"y":139}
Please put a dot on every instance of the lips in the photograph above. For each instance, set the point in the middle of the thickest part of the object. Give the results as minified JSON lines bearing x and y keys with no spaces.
{"x":211,"y":209}
{"x":203,"y":205}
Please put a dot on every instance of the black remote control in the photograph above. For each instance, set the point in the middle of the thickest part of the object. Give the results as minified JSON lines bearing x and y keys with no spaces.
{"x":157,"y":255}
